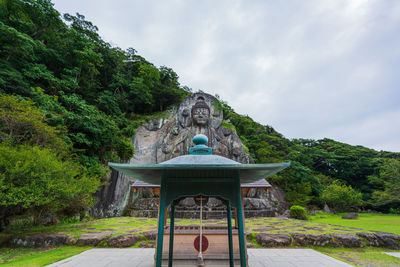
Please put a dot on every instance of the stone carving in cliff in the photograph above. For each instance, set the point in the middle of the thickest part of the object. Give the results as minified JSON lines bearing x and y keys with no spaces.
{"x":162,"y":139}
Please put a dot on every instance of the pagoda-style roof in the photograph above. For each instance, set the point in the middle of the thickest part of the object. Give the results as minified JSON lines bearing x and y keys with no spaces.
{"x":258,"y":184}
{"x":199,"y":164}
{"x":207,"y":166}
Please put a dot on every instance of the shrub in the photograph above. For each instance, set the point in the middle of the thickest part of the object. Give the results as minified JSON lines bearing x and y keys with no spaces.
{"x":298,"y":212}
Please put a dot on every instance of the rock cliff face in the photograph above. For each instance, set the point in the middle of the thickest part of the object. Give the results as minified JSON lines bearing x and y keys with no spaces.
{"x":162,"y":139}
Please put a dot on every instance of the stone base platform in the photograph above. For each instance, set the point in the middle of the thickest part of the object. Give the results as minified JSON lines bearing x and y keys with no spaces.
{"x":139,"y":257}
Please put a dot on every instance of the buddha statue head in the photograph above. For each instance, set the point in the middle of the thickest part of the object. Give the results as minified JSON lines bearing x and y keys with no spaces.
{"x":201,"y":113}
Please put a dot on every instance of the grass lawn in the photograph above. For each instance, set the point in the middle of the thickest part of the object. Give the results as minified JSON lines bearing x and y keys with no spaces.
{"x":318,"y":224}
{"x":37,"y":256}
{"x":369,"y":221}
{"x":117,"y":225}
{"x":361,"y":256}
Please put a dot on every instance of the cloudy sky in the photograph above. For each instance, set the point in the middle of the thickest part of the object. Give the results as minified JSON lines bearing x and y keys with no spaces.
{"x":310,"y":69}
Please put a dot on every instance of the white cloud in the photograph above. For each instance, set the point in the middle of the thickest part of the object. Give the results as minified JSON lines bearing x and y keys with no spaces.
{"x":310,"y":69}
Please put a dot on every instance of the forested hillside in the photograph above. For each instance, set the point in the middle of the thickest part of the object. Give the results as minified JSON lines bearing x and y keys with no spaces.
{"x":70,"y":102}
{"x":323,"y":171}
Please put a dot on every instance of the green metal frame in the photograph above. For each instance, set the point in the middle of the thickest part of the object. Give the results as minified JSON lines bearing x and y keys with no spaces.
{"x":171,"y":235}
{"x":200,"y":173}
{"x":229,"y":218}
{"x":226,"y":188}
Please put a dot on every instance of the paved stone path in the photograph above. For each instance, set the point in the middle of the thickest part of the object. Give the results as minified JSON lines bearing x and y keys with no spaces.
{"x":394,"y":254}
{"x":143,"y":257}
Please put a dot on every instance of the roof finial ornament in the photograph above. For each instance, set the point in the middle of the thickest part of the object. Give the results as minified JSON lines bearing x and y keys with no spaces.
{"x":200,"y":148}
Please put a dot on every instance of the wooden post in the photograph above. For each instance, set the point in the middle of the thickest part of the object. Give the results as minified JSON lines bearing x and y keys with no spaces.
{"x":165,"y":218}
{"x":161,"y":217}
{"x":236,"y":224}
{"x":242,"y":243}
{"x":244,"y":221}
{"x":171,"y":235}
{"x":229,"y":217}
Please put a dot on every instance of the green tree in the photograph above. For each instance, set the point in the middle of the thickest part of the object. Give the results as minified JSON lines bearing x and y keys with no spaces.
{"x":22,"y":122}
{"x":36,"y":180}
{"x":93,"y":131}
{"x":340,"y":196}
{"x":299,"y":183}
{"x":389,"y":197}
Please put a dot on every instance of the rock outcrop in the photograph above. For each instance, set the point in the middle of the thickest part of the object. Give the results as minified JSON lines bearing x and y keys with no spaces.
{"x":350,"y":216}
{"x":165,"y":138}
{"x":273,"y":240}
{"x":310,"y":239}
{"x":122,"y":241}
{"x":92,"y":238}
{"x":40,"y":240}
{"x":348,"y":240}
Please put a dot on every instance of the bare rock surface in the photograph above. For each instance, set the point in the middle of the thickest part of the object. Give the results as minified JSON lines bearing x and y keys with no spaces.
{"x":147,"y":245}
{"x":348,"y":240}
{"x":388,"y":235}
{"x":93,"y":238}
{"x":389,"y":240}
{"x":351,"y":216}
{"x":40,"y":240}
{"x":249,"y":245}
{"x":121,"y":241}
{"x":309,"y":239}
{"x":273,"y":240}
{"x":150,"y":235}
{"x":326,"y":208}
{"x":371,"y":239}
{"x":380,"y":240}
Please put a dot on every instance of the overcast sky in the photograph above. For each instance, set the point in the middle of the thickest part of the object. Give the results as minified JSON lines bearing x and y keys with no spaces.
{"x":310,"y":69}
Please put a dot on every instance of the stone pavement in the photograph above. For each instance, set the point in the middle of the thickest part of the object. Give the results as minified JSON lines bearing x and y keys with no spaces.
{"x":143,"y":257}
{"x":394,"y":254}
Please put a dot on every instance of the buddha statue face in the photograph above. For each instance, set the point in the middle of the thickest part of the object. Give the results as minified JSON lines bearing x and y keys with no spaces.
{"x":201,"y":113}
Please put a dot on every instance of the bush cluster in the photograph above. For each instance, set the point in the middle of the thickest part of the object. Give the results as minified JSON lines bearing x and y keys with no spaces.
{"x":298,"y":212}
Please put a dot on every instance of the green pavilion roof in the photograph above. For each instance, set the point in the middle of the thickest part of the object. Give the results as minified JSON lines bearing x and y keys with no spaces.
{"x":199,"y":164}
{"x":208,"y":166}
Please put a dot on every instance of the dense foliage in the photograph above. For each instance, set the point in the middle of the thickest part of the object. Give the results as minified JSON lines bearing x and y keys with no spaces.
{"x":320,"y":166}
{"x":70,"y":102}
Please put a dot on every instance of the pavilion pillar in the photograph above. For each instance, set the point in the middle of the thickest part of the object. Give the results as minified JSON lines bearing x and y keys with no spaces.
{"x":161,"y":217}
{"x":229,"y":218}
{"x":171,"y":235}
{"x":242,"y":243}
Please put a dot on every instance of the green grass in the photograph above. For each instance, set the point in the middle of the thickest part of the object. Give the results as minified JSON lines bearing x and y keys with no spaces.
{"x":287,"y":226}
{"x":36,"y":256}
{"x":319,"y":224}
{"x":118,"y":225}
{"x":369,"y":221}
{"x":361,"y":256}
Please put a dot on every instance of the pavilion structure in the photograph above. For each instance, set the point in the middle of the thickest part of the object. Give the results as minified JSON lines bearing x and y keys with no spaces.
{"x":200,"y":174}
